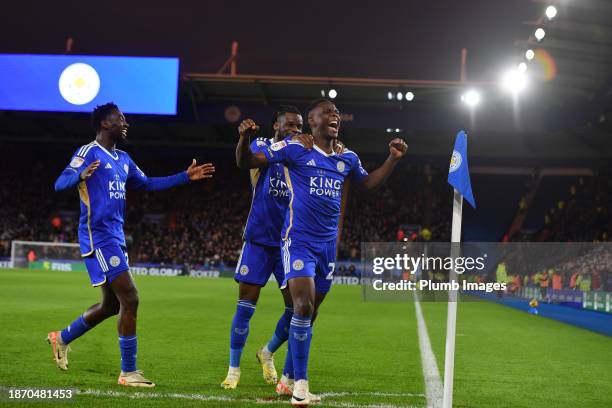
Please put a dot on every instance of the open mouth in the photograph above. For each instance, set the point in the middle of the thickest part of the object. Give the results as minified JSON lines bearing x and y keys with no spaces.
{"x":334,"y":124}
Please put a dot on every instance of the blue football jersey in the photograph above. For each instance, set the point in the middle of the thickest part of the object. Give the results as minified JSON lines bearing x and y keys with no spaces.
{"x":269,"y":201}
{"x":314,"y":179}
{"x":103,"y":195}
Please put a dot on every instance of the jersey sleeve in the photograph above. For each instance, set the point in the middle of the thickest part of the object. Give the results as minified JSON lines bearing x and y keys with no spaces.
{"x":358,"y":173}
{"x":285,"y":151}
{"x":258,"y":145}
{"x":137,"y":179}
{"x":71,"y":175}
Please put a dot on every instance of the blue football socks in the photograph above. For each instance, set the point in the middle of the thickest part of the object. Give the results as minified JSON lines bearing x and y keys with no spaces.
{"x":281,"y":333}
{"x":128,"y":346}
{"x":75,"y":330}
{"x":240,"y":330}
{"x":300,"y":336}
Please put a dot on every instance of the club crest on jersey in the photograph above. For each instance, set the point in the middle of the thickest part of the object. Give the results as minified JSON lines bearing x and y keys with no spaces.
{"x":114,"y":261}
{"x":126,"y":168}
{"x":298,"y":265}
{"x":76,"y":162}
{"x":278,"y":145}
{"x":244,"y":270}
{"x":340,"y":166}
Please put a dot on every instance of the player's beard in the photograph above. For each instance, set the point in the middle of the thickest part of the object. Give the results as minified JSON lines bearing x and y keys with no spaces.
{"x":120,"y":137}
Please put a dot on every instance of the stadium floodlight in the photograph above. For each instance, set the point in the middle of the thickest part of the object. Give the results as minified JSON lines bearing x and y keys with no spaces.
{"x":551,"y":12}
{"x":323,"y":93}
{"x":389,"y":95}
{"x":332,"y":94}
{"x":400,"y":96}
{"x":522,"y":67}
{"x":539,"y":34}
{"x":514,"y":81}
{"x":529,"y":54}
{"x":397,"y":130}
{"x":409,"y":96}
{"x":389,"y":130}
{"x":471,"y":98}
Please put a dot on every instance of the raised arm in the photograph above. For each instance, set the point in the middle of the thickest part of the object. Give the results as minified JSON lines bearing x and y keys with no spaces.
{"x":397,"y":150}
{"x":72,"y":175}
{"x":245,"y":158}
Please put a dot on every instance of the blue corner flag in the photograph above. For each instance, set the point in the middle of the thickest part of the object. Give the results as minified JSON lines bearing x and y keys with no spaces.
{"x":458,"y":172}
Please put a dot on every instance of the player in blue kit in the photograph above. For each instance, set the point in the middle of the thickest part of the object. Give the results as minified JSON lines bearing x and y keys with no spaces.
{"x":103,"y":175}
{"x":260,"y":256}
{"x":315,"y":179}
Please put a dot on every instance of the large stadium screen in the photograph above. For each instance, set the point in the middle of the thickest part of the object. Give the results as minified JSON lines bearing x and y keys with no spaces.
{"x":77,"y":83}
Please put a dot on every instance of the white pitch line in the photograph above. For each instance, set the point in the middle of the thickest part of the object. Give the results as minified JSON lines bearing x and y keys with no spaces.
{"x":431,"y":374}
{"x":373,"y":394}
{"x":219,"y":398}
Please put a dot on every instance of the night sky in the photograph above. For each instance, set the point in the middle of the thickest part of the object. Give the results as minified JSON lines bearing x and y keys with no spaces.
{"x":380,"y":39}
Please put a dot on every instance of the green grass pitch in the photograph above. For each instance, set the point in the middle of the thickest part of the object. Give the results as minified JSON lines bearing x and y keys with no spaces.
{"x":363,"y":354}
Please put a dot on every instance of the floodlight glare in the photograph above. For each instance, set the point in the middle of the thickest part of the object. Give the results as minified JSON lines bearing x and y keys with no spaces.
{"x":529,"y":54}
{"x":389,"y":95}
{"x":409,"y":96}
{"x":522,"y":67}
{"x":332,"y":93}
{"x":551,"y":12}
{"x":400,"y":96}
{"x":471,"y":98}
{"x":514,"y":81}
{"x":539,"y":34}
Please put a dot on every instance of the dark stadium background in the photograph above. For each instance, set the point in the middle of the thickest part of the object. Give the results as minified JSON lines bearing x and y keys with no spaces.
{"x":540,"y":168}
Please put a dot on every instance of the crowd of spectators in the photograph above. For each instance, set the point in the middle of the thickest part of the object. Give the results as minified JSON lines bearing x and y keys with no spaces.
{"x":575,"y":266}
{"x":201,"y":224}
{"x":585,"y":215}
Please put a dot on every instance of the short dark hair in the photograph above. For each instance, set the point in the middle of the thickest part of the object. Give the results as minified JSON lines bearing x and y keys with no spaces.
{"x":282,"y":109}
{"x":317,"y":103}
{"x":101,"y":112}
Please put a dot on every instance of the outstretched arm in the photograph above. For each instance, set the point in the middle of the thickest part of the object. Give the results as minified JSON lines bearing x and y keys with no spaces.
{"x":245,"y":158}
{"x":397,"y":150}
{"x":138,"y":180}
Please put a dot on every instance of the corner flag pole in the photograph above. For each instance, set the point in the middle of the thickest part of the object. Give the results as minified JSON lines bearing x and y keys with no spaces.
{"x":451,"y":318}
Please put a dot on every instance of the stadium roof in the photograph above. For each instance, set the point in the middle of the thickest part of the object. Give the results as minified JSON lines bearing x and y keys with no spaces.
{"x":579,"y":40}
{"x":271,"y":89}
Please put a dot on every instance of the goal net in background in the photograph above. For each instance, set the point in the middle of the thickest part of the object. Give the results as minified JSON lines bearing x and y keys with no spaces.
{"x":57,"y":256}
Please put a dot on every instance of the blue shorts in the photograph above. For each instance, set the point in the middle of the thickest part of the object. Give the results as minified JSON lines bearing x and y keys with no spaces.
{"x":310,"y":259}
{"x":257,"y":262}
{"x":106,"y":263}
